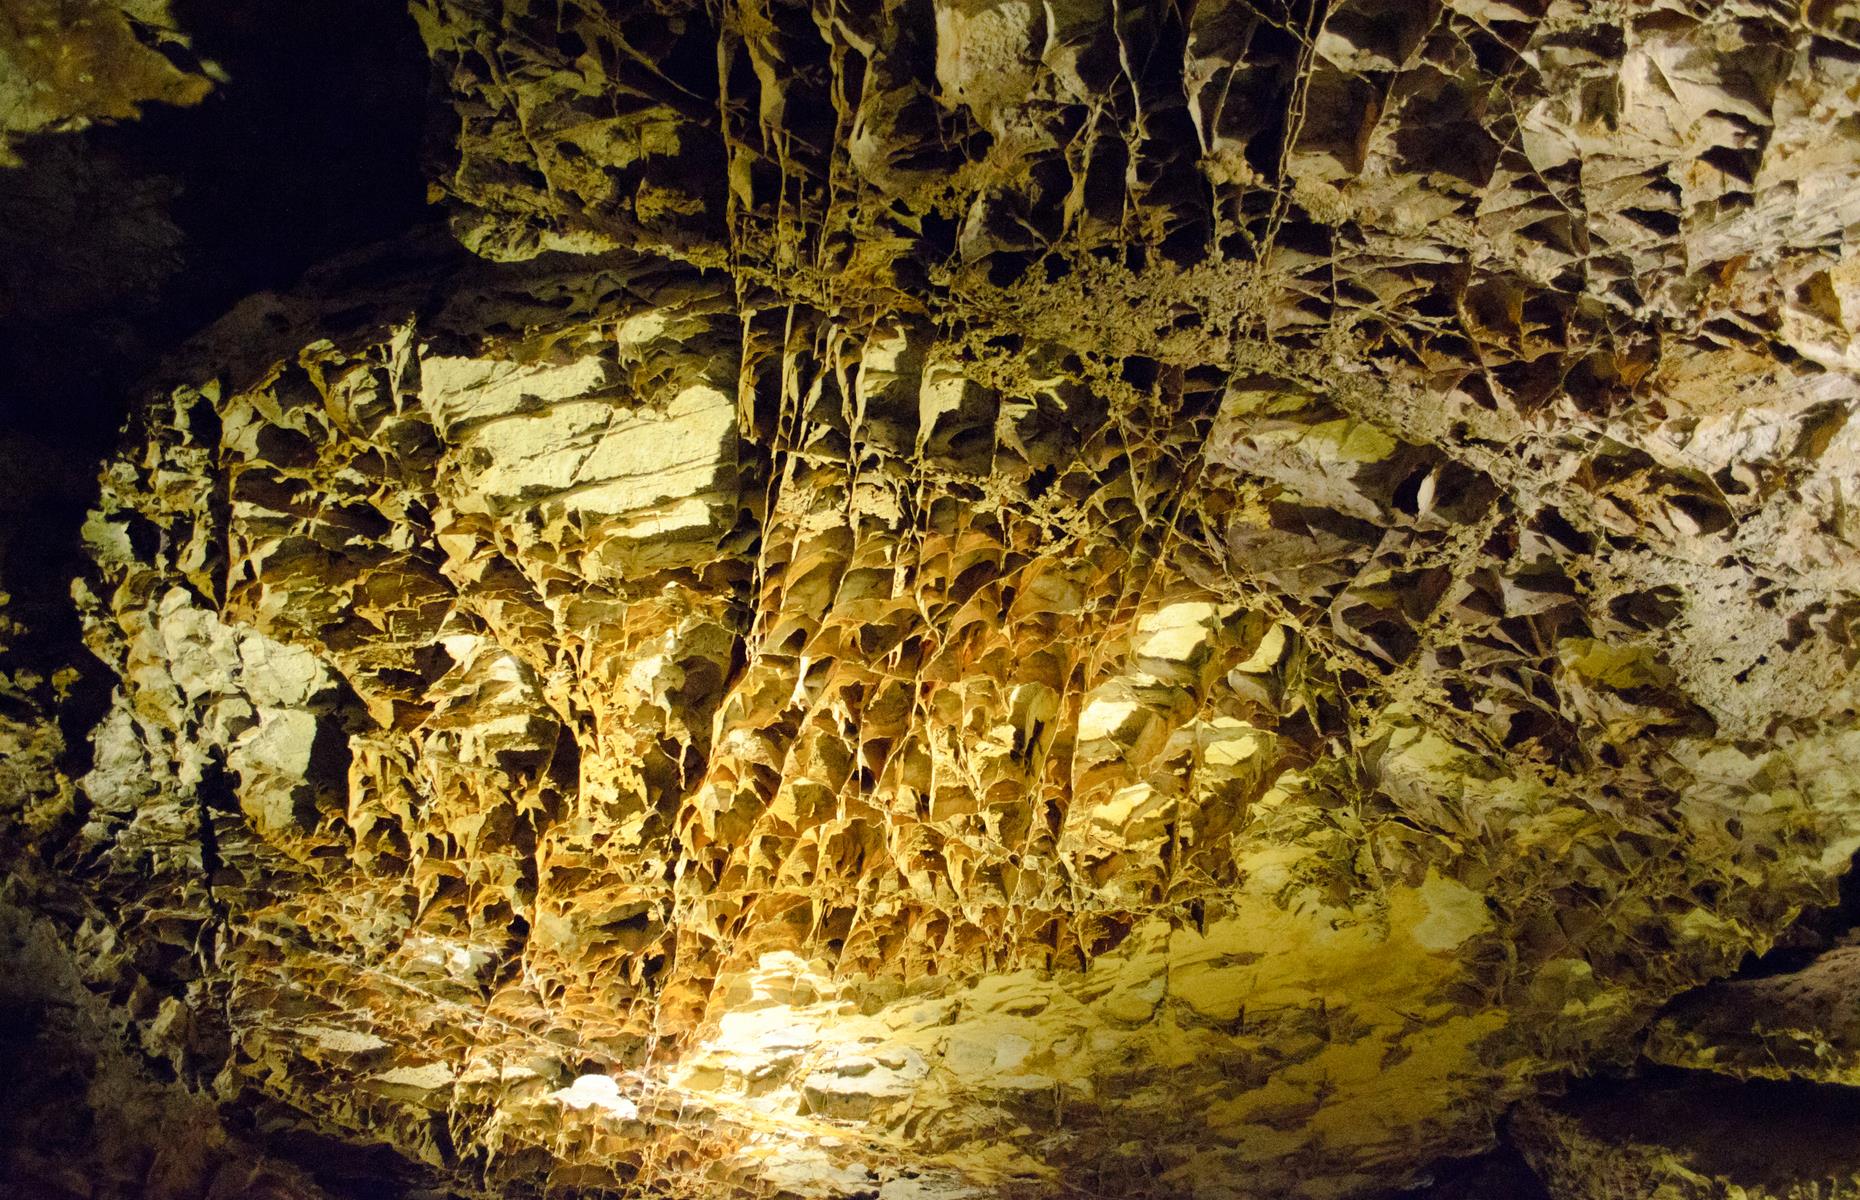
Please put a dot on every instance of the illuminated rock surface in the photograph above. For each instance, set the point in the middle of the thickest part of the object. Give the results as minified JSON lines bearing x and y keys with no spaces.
{"x":966,"y":600}
{"x":67,"y":63}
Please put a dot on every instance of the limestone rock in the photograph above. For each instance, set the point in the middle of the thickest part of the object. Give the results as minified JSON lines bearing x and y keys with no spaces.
{"x":988,"y":599}
{"x":67,"y":63}
{"x":638,"y":742}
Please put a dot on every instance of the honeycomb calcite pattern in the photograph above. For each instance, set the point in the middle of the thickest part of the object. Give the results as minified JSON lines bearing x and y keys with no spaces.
{"x":998,"y":599}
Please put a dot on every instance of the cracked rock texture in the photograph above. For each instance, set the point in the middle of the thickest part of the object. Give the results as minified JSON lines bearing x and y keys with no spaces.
{"x":978,"y":599}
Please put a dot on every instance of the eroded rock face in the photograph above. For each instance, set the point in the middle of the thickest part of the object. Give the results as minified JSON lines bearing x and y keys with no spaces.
{"x":992,"y":599}
{"x":847,"y":808}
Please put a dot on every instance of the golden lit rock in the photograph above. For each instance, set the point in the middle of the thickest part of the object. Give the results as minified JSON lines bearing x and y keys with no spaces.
{"x":991,"y":600}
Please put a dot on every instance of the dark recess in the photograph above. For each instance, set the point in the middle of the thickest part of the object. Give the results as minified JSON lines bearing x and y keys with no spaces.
{"x":1772,"y":1137}
{"x":1499,"y":1174}
{"x":118,"y":243}
{"x":311,"y":148}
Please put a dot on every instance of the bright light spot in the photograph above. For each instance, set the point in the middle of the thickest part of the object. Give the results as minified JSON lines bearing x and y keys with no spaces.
{"x":597,"y":1091}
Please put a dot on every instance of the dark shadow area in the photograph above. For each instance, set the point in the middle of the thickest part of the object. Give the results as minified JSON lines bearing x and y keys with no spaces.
{"x":82,"y":1120}
{"x":116,"y":245}
{"x":119,"y":242}
{"x":1498,"y":1174}
{"x":350,"y":1169}
{"x":44,"y":1118}
{"x":1769,"y":1136}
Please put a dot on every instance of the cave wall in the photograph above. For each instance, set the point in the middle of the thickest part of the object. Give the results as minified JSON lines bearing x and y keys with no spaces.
{"x":959,"y":599}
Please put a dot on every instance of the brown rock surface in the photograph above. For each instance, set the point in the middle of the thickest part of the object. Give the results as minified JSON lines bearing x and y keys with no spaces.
{"x":991,"y":599}
{"x":1801,"y":1025}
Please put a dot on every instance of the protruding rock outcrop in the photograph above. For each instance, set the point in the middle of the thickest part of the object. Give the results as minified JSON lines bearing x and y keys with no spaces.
{"x":983,"y":599}
{"x":1800,"y":1025}
{"x":67,"y":63}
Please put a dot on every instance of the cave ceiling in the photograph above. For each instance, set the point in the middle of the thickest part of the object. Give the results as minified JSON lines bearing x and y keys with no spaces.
{"x":960,"y":598}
